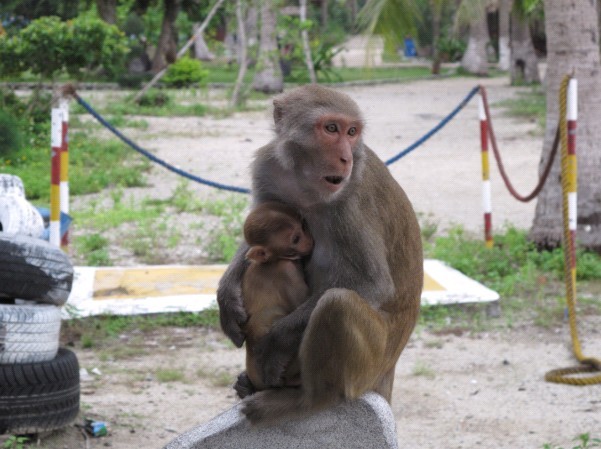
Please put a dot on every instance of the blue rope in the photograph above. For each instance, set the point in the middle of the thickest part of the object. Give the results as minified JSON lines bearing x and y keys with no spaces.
{"x":153,"y":158}
{"x":192,"y":177}
{"x":434,"y":130}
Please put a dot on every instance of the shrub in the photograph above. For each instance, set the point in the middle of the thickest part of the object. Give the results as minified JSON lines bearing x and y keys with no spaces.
{"x":185,"y":72}
{"x":10,"y":134}
{"x":155,"y":98}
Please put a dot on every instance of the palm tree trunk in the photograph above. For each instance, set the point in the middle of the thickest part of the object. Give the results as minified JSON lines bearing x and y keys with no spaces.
{"x":436,"y":8}
{"x":573,"y":47}
{"x":504,"y":36}
{"x":524,"y":63}
{"x":475,"y":59}
{"x":268,"y":77}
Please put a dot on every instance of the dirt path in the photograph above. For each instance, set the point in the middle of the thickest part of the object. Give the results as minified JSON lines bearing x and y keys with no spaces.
{"x":451,"y":391}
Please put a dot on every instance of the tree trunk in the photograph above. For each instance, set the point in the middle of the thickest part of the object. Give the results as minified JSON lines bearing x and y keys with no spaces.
{"x":353,"y":10}
{"x":268,"y":77}
{"x":201,"y":50}
{"x":524,"y":63}
{"x":306,"y":46}
{"x":107,"y":10}
{"x":573,"y":46}
{"x":504,"y":37}
{"x":436,"y":7}
{"x":475,"y":59}
{"x":167,"y":47}
{"x":236,"y":94}
{"x":324,"y":15}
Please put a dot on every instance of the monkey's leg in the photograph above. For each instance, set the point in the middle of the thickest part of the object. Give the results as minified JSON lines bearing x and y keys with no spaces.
{"x":342,"y":356}
{"x":343,"y":350}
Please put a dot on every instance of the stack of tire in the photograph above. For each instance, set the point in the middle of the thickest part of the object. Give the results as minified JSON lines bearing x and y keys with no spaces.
{"x":39,"y":381}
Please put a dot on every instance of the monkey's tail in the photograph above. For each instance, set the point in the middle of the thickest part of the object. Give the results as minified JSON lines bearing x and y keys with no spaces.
{"x":276,"y":405}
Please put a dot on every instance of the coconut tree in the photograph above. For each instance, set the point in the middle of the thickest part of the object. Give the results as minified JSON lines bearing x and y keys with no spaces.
{"x":504,"y":36}
{"x":268,"y":77}
{"x":475,"y":58}
{"x":572,"y":30}
{"x":524,"y":62}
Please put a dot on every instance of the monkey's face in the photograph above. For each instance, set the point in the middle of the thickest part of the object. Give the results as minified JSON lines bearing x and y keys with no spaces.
{"x":336,"y":137}
{"x":293,"y":243}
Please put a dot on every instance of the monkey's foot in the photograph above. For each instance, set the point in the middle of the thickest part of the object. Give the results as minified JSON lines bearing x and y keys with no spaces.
{"x":269,"y":406}
{"x":244,"y":386}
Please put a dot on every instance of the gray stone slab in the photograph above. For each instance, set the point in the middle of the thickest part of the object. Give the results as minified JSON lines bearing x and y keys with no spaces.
{"x":365,"y":423}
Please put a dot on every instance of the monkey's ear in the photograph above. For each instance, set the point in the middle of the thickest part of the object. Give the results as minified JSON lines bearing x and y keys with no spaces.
{"x":258,"y":253}
{"x":278,"y":111}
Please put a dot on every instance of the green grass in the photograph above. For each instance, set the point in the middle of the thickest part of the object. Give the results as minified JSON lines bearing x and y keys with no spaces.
{"x":584,"y":441}
{"x":529,"y":281}
{"x":225,"y":238}
{"x":164,"y":375}
{"x":529,"y":105}
{"x":93,"y":331}
{"x":94,"y":165}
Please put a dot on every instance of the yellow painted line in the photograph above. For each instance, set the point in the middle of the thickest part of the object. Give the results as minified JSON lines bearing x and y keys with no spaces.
{"x":119,"y":283}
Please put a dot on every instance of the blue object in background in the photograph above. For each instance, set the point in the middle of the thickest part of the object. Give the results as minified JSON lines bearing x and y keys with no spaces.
{"x":410,"y":51}
{"x":65,"y":223}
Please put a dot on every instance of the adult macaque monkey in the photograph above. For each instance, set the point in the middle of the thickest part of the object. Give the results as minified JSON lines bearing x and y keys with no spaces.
{"x":274,"y":283}
{"x":365,"y":274}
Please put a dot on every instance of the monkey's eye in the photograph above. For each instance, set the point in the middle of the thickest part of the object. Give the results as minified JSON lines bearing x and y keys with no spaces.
{"x":331,"y":128}
{"x":296,"y":239}
{"x":352,"y":131}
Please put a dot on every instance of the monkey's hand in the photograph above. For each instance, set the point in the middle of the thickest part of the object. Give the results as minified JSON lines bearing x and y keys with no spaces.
{"x":231,"y":313}
{"x":277,"y":349}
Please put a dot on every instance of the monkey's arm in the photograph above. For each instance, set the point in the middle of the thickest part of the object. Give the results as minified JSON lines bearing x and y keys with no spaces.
{"x":229,"y":297}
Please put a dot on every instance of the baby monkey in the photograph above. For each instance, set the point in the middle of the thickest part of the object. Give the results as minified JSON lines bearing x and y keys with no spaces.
{"x":274,"y":283}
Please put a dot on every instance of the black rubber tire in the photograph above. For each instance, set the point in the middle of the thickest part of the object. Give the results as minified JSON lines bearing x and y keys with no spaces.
{"x":38,"y":397}
{"x":33,"y":269}
{"x":29,"y":333}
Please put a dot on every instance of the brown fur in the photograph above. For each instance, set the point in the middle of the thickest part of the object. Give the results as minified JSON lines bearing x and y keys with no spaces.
{"x":273,"y":284}
{"x":366,"y":270}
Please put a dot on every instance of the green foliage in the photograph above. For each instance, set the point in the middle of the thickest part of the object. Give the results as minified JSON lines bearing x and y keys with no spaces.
{"x":94,"y":165}
{"x":451,"y":49}
{"x":15,"y":442}
{"x":513,"y":262}
{"x":41,"y":45}
{"x":186,"y":72}
{"x":95,"y":248}
{"x":48,"y":45}
{"x":585,"y":442}
{"x":225,"y":238}
{"x":155,"y":98}
{"x":10,"y":134}
{"x":91,"y":44}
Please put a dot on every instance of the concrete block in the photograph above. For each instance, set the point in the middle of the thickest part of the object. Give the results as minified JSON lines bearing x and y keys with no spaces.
{"x":363,"y":424}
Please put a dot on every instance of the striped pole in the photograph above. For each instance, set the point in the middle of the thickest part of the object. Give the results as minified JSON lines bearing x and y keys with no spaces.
{"x":486,"y":190}
{"x":571,"y":181}
{"x":56,"y":137}
{"x":64,"y":164}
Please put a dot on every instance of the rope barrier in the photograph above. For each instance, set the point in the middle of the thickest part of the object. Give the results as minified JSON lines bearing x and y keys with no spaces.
{"x":493,"y":141}
{"x":152,"y":157}
{"x":207,"y":182}
{"x":434,"y":130}
{"x":567,"y":125}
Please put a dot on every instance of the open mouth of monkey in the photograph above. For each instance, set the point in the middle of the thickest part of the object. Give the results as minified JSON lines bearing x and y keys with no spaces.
{"x":335,"y":180}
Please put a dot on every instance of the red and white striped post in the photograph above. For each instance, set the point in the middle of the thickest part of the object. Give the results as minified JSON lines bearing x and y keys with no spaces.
{"x":572,"y":183}
{"x":486,"y":189}
{"x":56,"y":137}
{"x":64,"y":161}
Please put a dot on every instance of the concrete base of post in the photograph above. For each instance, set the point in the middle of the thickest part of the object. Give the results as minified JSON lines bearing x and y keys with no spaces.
{"x":365,"y":423}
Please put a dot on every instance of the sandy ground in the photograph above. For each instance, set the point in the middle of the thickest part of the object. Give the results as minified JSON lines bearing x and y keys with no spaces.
{"x":460,"y":389}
